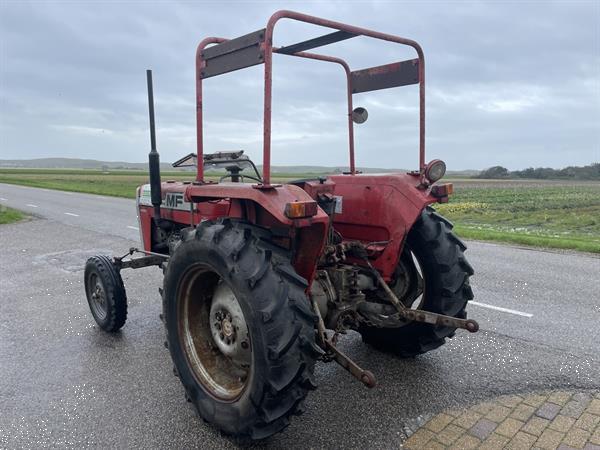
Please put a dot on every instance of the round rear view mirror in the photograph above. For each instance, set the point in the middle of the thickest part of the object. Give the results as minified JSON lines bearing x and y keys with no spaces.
{"x":360,"y":115}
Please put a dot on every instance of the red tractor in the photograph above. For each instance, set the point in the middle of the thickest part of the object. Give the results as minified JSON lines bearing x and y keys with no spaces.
{"x":260,"y":278}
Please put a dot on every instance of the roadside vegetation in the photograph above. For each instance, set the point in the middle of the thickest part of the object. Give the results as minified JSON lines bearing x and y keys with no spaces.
{"x":554,"y":214}
{"x":590,"y":172}
{"x":9,"y":215}
{"x":560,"y":214}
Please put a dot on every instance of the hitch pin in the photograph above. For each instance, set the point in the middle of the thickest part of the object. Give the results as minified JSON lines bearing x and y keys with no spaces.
{"x":423,"y":316}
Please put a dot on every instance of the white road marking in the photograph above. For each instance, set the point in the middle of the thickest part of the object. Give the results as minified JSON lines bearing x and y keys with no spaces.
{"x":498,"y":308}
{"x":33,"y":206}
{"x":3,"y":199}
{"x":133,"y":228}
{"x":71,"y":214}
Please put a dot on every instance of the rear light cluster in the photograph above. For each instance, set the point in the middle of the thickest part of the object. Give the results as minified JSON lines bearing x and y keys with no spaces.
{"x":297,"y":210}
{"x":442,"y":191}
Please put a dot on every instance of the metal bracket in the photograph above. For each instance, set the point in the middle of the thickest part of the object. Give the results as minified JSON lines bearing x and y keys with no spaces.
{"x":151,"y":259}
{"x":327,"y":39}
{"x":234,"y":54}
{"x":402,"y":73}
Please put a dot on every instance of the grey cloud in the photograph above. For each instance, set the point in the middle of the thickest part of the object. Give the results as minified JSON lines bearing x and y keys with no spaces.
{"x":511,"y":83}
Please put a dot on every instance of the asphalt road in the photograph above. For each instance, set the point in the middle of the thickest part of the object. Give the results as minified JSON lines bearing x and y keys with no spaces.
{"x":65,"y":383}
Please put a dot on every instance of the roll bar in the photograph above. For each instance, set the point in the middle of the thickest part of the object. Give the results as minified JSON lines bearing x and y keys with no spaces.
{"x":226,"y":55}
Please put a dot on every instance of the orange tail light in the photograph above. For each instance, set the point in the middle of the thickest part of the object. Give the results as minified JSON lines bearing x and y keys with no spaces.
{"x":297,"y":210}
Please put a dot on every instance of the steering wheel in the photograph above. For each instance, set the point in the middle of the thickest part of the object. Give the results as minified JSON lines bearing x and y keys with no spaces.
{"x":235,"y":175}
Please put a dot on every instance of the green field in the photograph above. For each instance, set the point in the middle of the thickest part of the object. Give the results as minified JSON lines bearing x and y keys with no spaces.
{"x":554,"y":214}
{"x":9,"y":215}
{"x":116,"y":183}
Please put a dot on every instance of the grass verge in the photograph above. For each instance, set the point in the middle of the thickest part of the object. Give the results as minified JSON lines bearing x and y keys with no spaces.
{"x":552,"y":214}
{"x":9,"y":215}
{"x":555,"y":242}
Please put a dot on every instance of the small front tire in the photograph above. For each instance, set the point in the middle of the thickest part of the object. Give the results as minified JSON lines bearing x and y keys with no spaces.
{"x":105,"y":293}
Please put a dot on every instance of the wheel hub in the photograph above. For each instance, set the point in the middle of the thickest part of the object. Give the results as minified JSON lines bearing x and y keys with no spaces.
{"x":228,"y":327}
{"x":223,"y":326}
{"x":98,"y":296}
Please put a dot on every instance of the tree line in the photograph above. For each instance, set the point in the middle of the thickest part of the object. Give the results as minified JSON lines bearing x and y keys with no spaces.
{"x":589,"y":172}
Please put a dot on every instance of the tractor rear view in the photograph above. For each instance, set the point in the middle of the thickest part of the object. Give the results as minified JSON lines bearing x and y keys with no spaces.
{"x":261,"y":279}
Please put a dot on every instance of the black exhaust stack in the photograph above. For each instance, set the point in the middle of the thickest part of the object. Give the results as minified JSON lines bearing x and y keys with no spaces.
{"x":153,"y":157}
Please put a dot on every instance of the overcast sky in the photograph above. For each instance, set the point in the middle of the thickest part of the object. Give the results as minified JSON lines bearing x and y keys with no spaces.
{"x":509,"y":83}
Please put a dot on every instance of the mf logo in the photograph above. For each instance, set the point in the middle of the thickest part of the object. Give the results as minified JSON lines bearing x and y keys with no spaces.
{"x":174,"y":200}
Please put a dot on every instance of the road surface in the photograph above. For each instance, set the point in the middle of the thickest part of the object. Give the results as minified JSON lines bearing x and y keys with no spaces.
{"x":64,"y":382}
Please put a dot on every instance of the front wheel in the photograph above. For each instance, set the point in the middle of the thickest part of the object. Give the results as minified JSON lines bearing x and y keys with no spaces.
{"x":239,"y":328}
{"x":105,"y":293}
{"x":433,"y":275}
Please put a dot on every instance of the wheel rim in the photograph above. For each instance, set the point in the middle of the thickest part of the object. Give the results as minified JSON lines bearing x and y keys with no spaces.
{"x":213,"y":333}
{"x":410,"y":278}
{"x":97,"y":296}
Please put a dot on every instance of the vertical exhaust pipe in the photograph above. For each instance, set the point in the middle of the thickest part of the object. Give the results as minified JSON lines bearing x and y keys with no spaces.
{"x":153,"y":157}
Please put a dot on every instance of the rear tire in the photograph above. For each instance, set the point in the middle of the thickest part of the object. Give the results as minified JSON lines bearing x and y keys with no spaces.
{"x":253,"y":400}
{"x":447,"y":290}
{"x":105,"y":293}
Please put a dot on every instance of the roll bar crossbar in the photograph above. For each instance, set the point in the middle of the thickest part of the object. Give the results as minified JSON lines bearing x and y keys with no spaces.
{"x":216,"y":56}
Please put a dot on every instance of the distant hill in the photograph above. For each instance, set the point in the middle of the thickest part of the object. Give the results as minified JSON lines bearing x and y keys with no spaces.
{"x":76,"y":163}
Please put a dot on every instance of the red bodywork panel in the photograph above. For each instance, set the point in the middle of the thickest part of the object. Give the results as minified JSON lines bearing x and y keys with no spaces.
{"x":380,"y":208}
{"x":374,"y":208}
{"x":265,"y":207}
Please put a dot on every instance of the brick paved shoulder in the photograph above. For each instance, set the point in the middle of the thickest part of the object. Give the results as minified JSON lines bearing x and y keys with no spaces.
{"x":554,"y":420}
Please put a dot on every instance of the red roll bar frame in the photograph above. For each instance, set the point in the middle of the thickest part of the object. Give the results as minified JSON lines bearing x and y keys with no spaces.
{"x":263,"y":41}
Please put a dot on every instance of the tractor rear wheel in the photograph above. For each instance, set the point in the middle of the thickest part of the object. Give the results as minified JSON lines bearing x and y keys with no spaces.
{"x":442,"y":282}
{"x":239,"y":328}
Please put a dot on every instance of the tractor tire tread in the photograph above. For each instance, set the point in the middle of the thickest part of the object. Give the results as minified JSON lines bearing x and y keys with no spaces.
{"x":116,"y":314}
{"x":286,"y":326}
{"x":433,"y":237}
